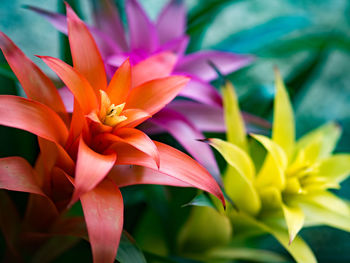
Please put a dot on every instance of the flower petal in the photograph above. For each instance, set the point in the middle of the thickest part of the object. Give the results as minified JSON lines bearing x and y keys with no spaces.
{"x":154,"y":67}
{"x":203,"y":92}
{"x":204,"y":117}
{"x":196,"y":64}
{"x":167,"y":29}
{"x":125,"y":175}
{"x":134,"y":118}
{"x":239,"y":176}
{"x":335,"y":168}
{"x":294,"y":217}
{"x":90,"y":170}
{"x":140,"y":141}
{"x":143,"y":33}
{"x":33,"y":117}
{"x":283,"y":129}
{"x":103,"y":211}
{"x":35,"y":83}
{"x":86,"y":57}
{"x":107,"y":19}
{"x":236,"y":132}
{"x":77,"y":84}
{"x":188,"y":135}
{"x":16,"y":174}
{"x":153,"y":95}
{"x":172,"y":163}
{"x":120,"y":85}
{"x":329,"y":134}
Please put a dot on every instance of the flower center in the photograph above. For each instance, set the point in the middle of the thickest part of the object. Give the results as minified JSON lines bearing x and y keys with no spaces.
{"x":110,"y":113}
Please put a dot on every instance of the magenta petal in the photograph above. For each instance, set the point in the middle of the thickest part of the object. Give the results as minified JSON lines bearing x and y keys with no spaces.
{"x":108,"y":21}
{"x":143,"y":33}
{"x":178,"y":46}
{"x":204,"y":117}
{"x":188,"y":135}
{"x":172,"y":21}
{"x":203,"y":92}
{"x":196,"y":64}
{"x":103,"y":211}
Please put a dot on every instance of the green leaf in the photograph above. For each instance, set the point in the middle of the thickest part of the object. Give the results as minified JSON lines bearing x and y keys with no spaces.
{"x":201,"y":200}
{"x":6,"y":71}
{"x":128,"y":251}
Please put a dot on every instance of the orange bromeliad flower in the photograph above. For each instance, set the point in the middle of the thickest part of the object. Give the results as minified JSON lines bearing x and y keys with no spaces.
{"x":87,"y":156}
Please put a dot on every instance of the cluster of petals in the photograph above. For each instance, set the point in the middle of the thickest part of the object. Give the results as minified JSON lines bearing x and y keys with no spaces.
{"x":89,"y":154}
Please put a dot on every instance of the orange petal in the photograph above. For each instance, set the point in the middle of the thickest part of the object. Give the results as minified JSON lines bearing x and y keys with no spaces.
{"x":172,"y":163}
{"x":125,"y":175}
{"x":134,"y":118}
{"x":139,"y":140}
{"x":32,"y":116}
{"x":86,"y":57}
{"x":90,"y":170}
{"x":76,"y":82}
{"x":16,"y":174}
{"x":119,"y":87}
{"x":35,"y":83}
{"x":103,"y":210}
{"x":158,"y":66}
{"x":152,"y":96}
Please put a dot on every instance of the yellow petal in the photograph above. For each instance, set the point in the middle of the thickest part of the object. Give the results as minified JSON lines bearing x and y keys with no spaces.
{"x":270,"y":197}
{"x":235,"y":156}
{"x":300,"y":251}
{"x":329,"y":134}
{"x":294,"y":217}
{"x":283,"y":129}
{"x":205,"y":229}
{"x":327,"y":210}
{"x":239,"y":176}
{"x":272,"y":173}
{"x":335,"y":169}
{"x":236,"y":132}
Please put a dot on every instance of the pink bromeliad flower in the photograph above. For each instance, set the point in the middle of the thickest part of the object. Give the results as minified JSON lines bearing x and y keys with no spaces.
{"x":144,"y":39}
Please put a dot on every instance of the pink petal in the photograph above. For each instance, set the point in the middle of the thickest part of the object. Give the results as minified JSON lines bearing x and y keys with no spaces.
{"x":103,"y":210}
{"x":187,"y":135}
{"x":172,"y":21}
{"x":90,"y":170}
{"x":203,"y":92}
{"x":16,"y":174}
{"x":35,"y":83}
{"x":33,"y":117}
{"x":67,"y":98}
{"x":196,"y":64}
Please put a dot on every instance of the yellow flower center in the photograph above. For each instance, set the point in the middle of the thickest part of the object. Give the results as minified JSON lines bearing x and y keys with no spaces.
{"x":110,"y":113}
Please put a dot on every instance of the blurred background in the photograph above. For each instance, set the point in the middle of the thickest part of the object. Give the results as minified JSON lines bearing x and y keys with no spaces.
{"x":308,"y":40}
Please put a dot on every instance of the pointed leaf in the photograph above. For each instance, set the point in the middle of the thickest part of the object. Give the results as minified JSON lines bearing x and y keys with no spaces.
{"x":143,"y":33}
{"x":33,"y":117}
{"x":236,"y":132}
{"x":154,"y":67}
{"x":335,"y":168}
{"x":77,"y":84}
{"x":167,"y":29}
{"x":120,"y":85}
{"x":128,"y":251}
{"x":152,"y":96}
{"x":103,"y":211}
{"x":90,"y":170}
{"x":175,"y":164}
{"x":196,"y":64}
{"x":35,"y":83}
{"x":86,"y":57}
{"x":283,"y":129}
{"x":294,"y":217}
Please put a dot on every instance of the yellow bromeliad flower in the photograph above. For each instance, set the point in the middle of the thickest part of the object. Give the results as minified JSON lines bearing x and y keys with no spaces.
{"x":278,"y":192}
